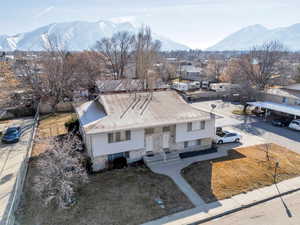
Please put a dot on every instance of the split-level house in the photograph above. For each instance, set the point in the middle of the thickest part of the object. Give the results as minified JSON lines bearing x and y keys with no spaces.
{"x":143,"y":125}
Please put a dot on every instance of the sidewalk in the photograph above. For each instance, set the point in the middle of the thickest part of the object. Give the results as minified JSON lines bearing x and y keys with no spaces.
{"x":227,"y":206}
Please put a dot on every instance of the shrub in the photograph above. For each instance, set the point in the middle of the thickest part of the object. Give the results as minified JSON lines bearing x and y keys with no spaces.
{"x":120,"y":163}
{"x":72,"y":125}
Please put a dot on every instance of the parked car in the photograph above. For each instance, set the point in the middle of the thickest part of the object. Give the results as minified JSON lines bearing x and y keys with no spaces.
{"x":11,"y":135}
{"x":258,"y":112}
{"x":219,"y":130}
{"x":227,"y":137}
{"x":281,"y":122}
{"x":295,"y":125}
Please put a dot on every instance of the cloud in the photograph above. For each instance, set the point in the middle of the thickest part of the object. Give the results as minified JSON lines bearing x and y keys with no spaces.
{"x":44,"y":12}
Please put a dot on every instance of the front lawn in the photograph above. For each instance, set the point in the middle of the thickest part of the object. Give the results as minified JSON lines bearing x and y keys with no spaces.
{"x":114,"y":197}
{"x":243,"y":170}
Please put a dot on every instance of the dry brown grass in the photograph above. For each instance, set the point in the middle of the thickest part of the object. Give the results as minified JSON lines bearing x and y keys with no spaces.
{"x":50,"y":126}
{"x":244,"y":169}
{"x":115,"y":197}
{"x":54,"y":125}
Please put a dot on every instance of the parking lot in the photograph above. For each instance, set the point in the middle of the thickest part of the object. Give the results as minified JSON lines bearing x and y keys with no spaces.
{"x":254,"y":130}
{"x":11,"y":157}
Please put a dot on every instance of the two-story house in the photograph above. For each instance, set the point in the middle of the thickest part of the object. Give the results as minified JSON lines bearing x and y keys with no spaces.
{"x":151,"y":125}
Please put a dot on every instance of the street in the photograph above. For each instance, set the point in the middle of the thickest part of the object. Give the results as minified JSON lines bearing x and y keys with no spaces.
{"x":279,"y":211}
{"x":11,"y":157}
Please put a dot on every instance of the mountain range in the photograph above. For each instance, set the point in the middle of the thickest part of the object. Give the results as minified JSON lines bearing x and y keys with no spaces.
{"x":256,"y":35}
{"x":75,"y":36}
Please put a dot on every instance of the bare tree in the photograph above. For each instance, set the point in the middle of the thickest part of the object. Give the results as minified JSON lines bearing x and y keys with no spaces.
{"x":146,"y":52}
{"x":61,"y":172}
{"x":116,"y":52}
{"x":215,"y":69}
{"x":259,"y":64}
{"x":297,"y":75}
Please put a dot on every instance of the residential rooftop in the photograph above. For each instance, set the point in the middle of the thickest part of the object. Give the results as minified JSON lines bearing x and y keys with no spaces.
{"x":121,"y":111}
{"x":109,"y":86}
{"x":284,"y":92}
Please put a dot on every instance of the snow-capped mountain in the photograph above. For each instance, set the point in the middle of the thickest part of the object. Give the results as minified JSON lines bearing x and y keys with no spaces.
{"x":76,"y":36}
{"x":255,"y":35}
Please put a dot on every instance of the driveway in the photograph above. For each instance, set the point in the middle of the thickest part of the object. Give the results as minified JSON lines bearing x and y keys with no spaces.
{"x":252,"y":128}
{"x":11,"y":157}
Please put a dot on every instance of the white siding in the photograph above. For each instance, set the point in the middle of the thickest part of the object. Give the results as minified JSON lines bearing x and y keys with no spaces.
{"x":100,"y":145}
{"x":183,"y":135}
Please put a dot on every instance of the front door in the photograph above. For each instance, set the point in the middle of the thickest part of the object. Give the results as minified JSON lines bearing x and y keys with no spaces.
{"x":166,"y":140}
{"x":149,"y":143}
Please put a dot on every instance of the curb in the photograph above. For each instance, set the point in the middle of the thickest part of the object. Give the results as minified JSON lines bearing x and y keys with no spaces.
{"x":244,"y":207}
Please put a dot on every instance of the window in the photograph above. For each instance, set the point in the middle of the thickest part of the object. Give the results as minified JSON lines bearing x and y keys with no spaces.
{"x":186,"y":144}
{"x":189,"y":126}
{"x":110,"y":138}
{"x":118,"y":136}
{"x":197,"y":125}
{"x":199,"y":142}
{"x":149,"y":131}
{"x":127,"y":135}
{"x":202,"y":125}
{"x":127,"y":155}
{"x":166,"y":129}
{"x":284,"y":100}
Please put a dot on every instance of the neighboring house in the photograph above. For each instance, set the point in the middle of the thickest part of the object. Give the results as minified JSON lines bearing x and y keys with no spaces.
{"x":110,"y":86}
{"x":287,"y":95}
{"x":152,"y":126}
{"x":190,"y":72}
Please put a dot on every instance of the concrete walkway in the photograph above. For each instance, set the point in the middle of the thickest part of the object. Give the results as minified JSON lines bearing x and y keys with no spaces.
{"x":173,"y":169}
{"x":220,"y":208}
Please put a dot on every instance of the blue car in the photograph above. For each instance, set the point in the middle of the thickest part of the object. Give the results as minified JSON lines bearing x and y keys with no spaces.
{"x":11,"y":135}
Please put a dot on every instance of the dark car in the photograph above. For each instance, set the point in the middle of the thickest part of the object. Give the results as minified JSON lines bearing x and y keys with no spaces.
{"x":12,"y":135}
{"x":281,"y":122}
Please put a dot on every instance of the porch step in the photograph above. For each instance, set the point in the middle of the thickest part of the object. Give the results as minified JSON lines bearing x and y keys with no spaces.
{"x":161,"y":158}
{"x":172,"y":156}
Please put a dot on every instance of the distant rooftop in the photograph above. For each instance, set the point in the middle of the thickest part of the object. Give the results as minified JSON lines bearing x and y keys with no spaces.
{"x":123,"y":111}
{"x":190,"y":69}
{"x":287,"y":91}
{"x":106,"y":86}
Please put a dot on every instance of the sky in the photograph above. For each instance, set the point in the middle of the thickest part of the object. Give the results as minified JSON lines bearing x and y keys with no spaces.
{"x":195,"y":23}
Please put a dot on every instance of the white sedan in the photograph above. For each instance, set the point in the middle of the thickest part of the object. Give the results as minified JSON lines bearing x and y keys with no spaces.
{"x":227,"y":137}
